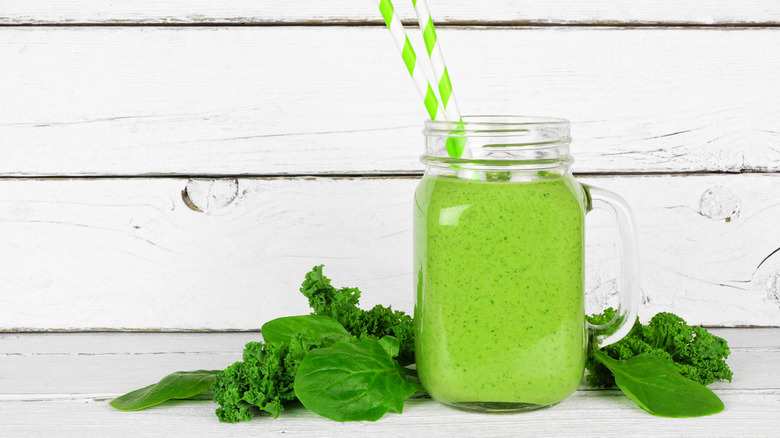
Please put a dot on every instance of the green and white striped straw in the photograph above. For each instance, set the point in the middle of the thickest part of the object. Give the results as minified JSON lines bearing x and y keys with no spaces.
{"x":436,"y":57}
{"x":456,"y":146}
{"x":420,"y":78}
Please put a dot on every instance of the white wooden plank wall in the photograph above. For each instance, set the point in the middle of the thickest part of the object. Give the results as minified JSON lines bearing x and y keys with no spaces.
{"x":260,"y":100}
{"x":612,"y":12}
{"x":116,"y":118}
{"x":133,"y":254}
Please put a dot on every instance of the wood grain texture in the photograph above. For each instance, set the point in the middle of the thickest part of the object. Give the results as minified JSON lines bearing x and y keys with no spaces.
{"x":110,"y":364}
{"x":116,"y":344}
{"x":343,"y":11}
{"x":139,"y":253}
{"x":603,"y":414}
{"x":334,"y":100}
{"x":91,"y":369}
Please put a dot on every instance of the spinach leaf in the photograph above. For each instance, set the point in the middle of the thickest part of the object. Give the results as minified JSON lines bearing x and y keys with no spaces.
{"x":354,"y":381}
{"x":391,"y":345}
{"x":205,"y":395}
{"x":283,"y":329}
{"x":178,"y":385}
{"x":658,"y":388}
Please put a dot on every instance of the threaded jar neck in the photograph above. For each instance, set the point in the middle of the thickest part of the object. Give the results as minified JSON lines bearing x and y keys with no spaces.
{"x":499,"y":143}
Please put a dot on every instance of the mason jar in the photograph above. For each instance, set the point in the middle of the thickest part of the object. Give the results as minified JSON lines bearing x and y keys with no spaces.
{"x":499,"y":230}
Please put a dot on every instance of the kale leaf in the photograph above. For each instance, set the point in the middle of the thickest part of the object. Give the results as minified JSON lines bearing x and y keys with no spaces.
{"x":264,"y":380}
{"x":342,"y":305}
{"x":696,"y":353}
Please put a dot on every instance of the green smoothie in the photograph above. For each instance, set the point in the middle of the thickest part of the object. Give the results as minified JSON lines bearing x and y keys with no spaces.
{"x":500,"y":308}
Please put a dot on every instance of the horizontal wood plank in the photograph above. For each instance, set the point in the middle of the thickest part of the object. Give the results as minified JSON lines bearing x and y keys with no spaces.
{"x":335,"y":100}
{"x":600,"y":414}
{"x":111,"y":364}
{"x":93,"y":368}
{"x":343,"y":11}
{"x":175,"y":254}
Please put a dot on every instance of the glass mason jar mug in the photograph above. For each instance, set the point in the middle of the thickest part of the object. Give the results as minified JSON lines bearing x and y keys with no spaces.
{"x":499,"y":265}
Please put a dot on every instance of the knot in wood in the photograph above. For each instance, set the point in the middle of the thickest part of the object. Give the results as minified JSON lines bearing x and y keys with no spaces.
{"x":773,"y":289}
{"x":719,"y":203}
{"x":209,"y":195}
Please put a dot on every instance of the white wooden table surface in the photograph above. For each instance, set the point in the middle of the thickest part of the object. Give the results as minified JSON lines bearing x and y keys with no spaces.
{"x":170,"y":169}
{"x":59,"y":384}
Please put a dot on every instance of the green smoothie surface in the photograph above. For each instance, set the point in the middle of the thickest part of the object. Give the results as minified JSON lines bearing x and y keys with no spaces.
{"x":499,"y":310}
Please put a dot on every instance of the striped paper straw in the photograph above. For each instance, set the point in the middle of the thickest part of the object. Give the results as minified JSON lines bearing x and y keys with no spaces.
{"x":418,"y":75}
{"x":451,"y":110}
{"x":456,"y":146}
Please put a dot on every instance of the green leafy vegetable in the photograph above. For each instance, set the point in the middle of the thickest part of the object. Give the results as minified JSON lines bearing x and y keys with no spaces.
{"x":264,"y":380}
{"x":339,"y":362}
{"x":390,"y":345}
{"x":284,"y":329}
{"x":205,"y":395}
{"x":354,"y":381}
{"x":178,"y":385}
{"x":693,"y":351}
{"x":657,"y":387}
{"x":342,"y":305}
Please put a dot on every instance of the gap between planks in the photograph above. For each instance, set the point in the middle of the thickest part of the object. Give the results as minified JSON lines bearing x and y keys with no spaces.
{"x":346,"y":12}
{"x":102,"y":397}
{"x":454,"y":24}
{"x":401,"y":174}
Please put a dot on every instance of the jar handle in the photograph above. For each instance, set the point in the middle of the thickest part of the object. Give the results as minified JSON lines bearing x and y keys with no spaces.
{"x":625,"y":316}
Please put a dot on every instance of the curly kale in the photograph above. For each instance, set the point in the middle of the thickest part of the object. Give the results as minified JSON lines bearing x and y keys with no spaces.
{"x":342,"y":305}
{"x":263,"y":381}
{"x":695,"y":352}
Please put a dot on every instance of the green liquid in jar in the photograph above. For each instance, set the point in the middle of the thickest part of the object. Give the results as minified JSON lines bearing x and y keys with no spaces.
{"x":499,"y":310}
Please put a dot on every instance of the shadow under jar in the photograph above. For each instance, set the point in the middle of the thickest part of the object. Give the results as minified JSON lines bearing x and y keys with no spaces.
{"x":499,"y":265}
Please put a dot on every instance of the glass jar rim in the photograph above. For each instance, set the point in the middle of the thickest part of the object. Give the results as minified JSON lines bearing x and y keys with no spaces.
{"x":471,"y":125}
{"x":493,"y":141}
{"x":496,"y":140}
